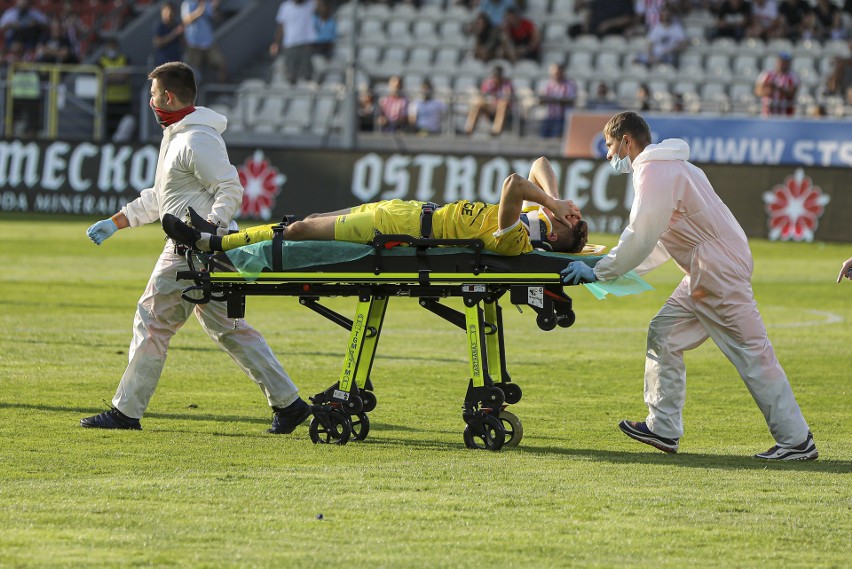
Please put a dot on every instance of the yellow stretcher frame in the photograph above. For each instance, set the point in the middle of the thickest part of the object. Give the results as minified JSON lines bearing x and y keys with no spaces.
{"x":340,"y":412}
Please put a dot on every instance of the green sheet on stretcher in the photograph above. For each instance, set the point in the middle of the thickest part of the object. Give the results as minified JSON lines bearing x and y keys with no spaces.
{"x":254,"y":259}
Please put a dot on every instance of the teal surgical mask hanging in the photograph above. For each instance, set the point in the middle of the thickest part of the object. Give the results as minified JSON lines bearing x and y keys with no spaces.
{"x":620,"y":165}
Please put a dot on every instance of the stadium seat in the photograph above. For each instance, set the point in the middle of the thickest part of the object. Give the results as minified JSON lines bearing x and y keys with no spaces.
{"x":743,"y":100}
{"x":424,"y":30}
{"x":398,"y":30}
{"x":420,"y":59}
{"x":608,"y":63}
{"x":554,"y":35}
{"x":717,"y":67}
{"x":714,"y":98}
{"x":617,"y":44}
{"x":745,"y":66}
{"x":372,"y":30}
{"x":446,"y":60}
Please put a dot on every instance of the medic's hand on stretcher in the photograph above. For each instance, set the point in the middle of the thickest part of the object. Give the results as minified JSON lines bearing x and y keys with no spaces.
{"x":577,"y":272}
{"x":101,"y":231}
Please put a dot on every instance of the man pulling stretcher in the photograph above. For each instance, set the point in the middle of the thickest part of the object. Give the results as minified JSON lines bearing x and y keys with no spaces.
{"x":512,"y":227}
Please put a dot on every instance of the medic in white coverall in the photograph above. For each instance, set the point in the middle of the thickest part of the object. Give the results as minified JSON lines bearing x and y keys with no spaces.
{"x":193,"y":170}
{"x":677,"y":214}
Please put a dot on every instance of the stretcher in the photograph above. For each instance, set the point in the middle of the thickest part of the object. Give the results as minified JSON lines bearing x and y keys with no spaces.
{"x":426,"y":269}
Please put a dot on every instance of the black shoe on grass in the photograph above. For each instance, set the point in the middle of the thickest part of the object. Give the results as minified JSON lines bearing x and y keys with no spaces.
{"x":180,"y":232}
{"x":286,"y":419}
{"x":640,"y":432}
{"x":112,"y":419}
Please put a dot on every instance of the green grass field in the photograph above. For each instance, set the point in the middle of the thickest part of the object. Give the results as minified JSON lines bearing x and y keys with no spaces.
{"x":204,"y":486}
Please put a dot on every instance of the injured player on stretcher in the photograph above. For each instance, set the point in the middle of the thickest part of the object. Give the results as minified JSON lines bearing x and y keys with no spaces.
{"x":528,"y":216}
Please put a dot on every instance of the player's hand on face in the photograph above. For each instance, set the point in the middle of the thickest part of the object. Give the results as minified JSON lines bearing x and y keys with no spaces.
{"x":567,"y":212}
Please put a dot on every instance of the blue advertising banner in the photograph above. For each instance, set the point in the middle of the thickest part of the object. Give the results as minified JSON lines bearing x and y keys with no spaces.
{"x":720,"y":140}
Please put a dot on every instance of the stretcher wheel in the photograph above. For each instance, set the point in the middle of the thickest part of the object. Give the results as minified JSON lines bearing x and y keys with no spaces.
{"x":545,"y":322}
{"x":353,"y":405}
{"x":567,"y":320}
{"x":513,"y":392}
{"x":495,"y":397}
{"x":333,"y":428}
{"x":360,"y":426}
{"x":484,"y":432}
{"x":513,"y":427}
{"x":369,"y":399}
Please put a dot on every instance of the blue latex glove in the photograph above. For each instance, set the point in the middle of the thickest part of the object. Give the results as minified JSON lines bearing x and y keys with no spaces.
{"x":101,"y":231}
{"x":577,"y":272}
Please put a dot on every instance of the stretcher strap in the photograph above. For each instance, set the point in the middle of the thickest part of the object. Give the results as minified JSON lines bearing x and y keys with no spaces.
{"x":277,"y":246}
{"x":426,"y":212}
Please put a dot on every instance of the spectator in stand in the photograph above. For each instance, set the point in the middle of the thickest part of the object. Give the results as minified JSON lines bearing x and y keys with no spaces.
{"x":777,"y":88}
{"x":666,"y":40}
{"x":495,"y":10}
{"x":72,"y":27}
{"x":366,"y":110}
{"x":326,"y":29}
{"x":764,"y":19}
{"x":838,"y":30}
{"x":643,"y":97}
{"x":519,"y":38}
{"x":648,"y":13}
{"x":198,"y":17}
{"x":495,"y":98}
{"x":840,"y":80}
{"x":559,"y":94}
{"x":168,"y":36}
{"x":485,"y":37}
{"x":120,"y":121}
{"x":23,"y":24}
{"x":393,"y":108}
{"x":604,"y":17}
{"x":792,"y":13}
{"x":602,"y":99}
{"x":810,"y":28}
{"x":25,"y":90}
{"x":57,"y":47}
{"x":733,"y":19}
{"x":427,"y":114}
{"x":824,"y":12}
{"x":296,"y":35}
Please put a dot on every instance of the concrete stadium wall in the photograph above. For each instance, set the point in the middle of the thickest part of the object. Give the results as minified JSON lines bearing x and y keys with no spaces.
{"x":784,"y":202}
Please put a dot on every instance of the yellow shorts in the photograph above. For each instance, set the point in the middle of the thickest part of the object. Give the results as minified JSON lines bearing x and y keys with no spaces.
{"x":385,"y":217}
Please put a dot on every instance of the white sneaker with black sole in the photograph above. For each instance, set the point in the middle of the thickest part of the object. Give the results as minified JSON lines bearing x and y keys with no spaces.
{"x":805,"y":451}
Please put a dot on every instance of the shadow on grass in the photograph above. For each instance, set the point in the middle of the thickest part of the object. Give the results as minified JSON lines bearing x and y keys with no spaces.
{"x":87,"y":411}
{"x":692,"y":460}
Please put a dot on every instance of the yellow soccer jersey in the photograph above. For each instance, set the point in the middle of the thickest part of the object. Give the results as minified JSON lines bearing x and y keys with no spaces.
{"x":477,"y":220}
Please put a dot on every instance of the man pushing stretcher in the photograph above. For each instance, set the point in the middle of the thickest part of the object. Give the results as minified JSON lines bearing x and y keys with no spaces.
{"x":508,"y":228}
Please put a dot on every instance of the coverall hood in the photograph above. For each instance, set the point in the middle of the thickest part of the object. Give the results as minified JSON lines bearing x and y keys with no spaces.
{"x":203,"y":117}
{"x":668,"y":149}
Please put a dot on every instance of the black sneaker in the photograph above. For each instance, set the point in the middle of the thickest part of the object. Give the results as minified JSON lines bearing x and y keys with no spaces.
{"x":640,"y":432}
{"x":179,"y":231}
{"x":286,"y":419}
{"x":805,"y":451}
{"x":199,"y":222}
{"x":112,"y":419}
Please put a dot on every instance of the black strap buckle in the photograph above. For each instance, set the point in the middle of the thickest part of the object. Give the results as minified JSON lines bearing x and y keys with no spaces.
{"x":426,"y":211}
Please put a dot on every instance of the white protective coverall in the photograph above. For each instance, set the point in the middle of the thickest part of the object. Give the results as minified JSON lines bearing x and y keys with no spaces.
{"x":193,"y":170}
{"x":677,"y":214}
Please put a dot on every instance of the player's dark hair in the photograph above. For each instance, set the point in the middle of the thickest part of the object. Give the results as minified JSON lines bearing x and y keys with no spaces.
{"x":630,"y":123}
{"x":178,"y":78}
{"x":570,"y":239}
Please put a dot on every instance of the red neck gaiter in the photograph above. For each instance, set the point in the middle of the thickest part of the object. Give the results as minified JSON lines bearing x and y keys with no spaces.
{"x":168,"y":118}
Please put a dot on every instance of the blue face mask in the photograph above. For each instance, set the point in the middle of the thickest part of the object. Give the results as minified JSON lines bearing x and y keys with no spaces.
{"x":620,"y":165}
